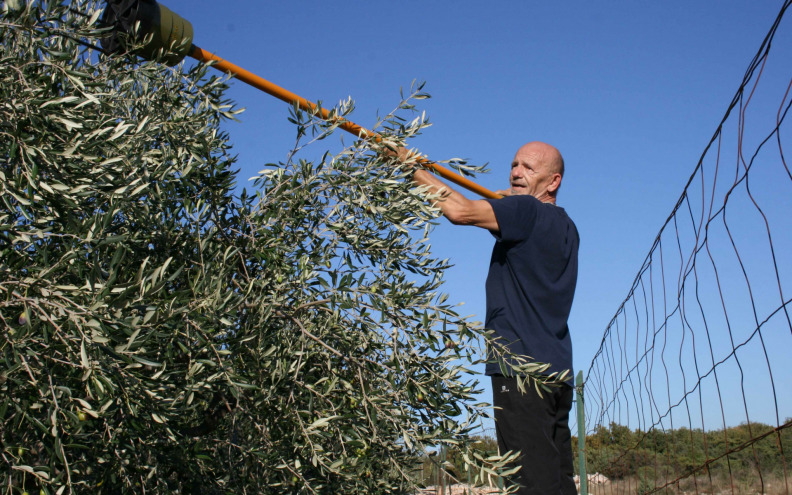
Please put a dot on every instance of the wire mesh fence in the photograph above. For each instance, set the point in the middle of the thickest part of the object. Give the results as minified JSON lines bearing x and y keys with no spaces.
{"x":690,"y":389}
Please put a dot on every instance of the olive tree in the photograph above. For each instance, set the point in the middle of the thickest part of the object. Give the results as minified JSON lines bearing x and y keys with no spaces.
{"x":165,"y":331}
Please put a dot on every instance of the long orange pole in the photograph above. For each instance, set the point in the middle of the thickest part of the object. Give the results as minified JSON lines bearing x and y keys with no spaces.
{"x":289,"y":97}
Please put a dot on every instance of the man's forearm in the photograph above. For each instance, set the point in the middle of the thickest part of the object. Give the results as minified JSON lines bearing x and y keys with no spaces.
{"x":447,"y":196}
{"x":458,"y":209}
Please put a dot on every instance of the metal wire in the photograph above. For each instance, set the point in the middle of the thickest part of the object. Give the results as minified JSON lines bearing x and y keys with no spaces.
{"x":689,"y":390}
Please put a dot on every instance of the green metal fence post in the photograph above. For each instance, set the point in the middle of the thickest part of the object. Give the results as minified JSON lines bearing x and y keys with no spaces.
{"x":581,"y":420}
{"x":442,"y":470}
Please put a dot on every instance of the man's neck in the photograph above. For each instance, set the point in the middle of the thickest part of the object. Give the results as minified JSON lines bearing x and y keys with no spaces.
{"x":546,"y":198}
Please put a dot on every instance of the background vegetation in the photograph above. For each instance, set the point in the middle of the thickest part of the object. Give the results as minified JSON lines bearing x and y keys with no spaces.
{"x":712,"y":461}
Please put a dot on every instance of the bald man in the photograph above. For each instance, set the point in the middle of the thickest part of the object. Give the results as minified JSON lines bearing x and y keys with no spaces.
{"x":530,"y":287}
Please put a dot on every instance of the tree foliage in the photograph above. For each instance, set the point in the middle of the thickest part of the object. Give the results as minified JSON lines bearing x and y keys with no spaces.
{"x":164,"y":332}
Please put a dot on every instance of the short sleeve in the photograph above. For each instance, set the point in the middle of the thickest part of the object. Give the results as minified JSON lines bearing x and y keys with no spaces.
{"x":516,"y":216}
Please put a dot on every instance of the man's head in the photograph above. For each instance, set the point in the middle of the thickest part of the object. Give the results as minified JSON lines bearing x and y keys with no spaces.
{"x":537,"y":170}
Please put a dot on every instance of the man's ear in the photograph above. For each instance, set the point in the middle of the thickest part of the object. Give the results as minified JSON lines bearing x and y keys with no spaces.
{"x":554,"y":184}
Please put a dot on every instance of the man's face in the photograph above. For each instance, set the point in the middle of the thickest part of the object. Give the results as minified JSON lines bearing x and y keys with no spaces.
{"x":531,"y":172}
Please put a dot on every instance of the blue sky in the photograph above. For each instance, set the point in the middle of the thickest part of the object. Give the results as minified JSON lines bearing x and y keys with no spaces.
{"x":629,"y":91}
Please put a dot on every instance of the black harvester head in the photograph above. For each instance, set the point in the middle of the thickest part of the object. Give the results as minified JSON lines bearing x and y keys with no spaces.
{"x":166,"y":34}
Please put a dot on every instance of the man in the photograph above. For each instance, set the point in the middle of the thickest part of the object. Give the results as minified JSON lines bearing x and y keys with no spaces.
{"x":530,"y":286}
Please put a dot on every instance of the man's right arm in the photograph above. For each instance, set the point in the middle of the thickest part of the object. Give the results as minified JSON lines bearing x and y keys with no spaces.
{"x":458,"y":209}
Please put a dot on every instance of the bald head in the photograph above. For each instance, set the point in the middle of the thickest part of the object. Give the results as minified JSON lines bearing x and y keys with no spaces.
{"x":547,"y":153}
{"x":537,"y":170}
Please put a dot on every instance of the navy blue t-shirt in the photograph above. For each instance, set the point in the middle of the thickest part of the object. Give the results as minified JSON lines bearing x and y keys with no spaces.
{"x":531,"y":281}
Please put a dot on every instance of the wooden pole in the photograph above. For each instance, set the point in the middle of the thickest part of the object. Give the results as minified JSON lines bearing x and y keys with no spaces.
{"x":352,"y":128}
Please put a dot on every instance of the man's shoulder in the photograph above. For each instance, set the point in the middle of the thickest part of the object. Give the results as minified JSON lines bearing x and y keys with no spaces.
{"x":554,"y":223}
{"x":515,"y":204}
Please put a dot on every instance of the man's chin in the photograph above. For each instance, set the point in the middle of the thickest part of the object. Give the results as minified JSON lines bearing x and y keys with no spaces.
{"x":519,"y":191}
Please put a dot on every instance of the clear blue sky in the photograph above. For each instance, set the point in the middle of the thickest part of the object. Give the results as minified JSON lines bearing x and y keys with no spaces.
{"x":629,"y":91}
